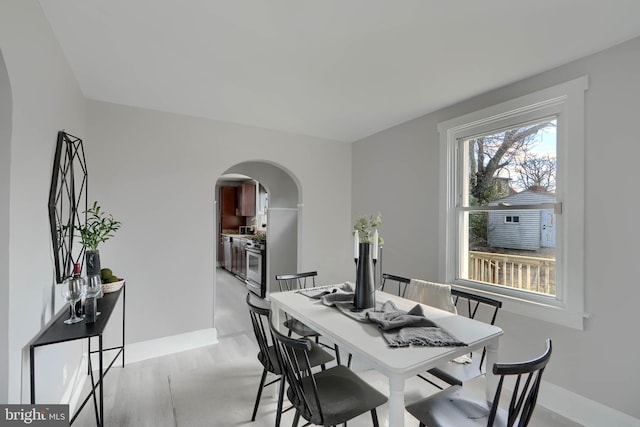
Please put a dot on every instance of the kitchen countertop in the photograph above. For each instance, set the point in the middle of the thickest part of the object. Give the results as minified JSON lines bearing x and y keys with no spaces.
{"x":245,"y":236}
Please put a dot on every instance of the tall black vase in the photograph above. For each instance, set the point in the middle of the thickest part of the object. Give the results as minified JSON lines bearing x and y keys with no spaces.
{"x":365,"y":285}
{"x":93,"y":262}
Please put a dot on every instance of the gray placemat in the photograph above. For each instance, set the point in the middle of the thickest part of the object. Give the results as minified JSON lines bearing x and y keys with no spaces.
{"x":400,"y":328}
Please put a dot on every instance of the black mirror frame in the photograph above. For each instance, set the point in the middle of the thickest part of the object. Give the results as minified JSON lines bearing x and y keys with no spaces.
{"x":68,"y":189}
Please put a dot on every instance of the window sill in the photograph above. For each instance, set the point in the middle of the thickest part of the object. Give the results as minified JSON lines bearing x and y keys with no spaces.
{"x":547,"y":312}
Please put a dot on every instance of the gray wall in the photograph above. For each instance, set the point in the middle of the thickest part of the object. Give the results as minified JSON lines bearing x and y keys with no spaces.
{"x":156,"y":172}
{"x":597,"y":363}
{"x":5,"y":176}
{"x":45,"y":99}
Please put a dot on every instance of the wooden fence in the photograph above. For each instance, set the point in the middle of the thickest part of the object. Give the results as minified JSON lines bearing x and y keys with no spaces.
{"x":516,"y":271}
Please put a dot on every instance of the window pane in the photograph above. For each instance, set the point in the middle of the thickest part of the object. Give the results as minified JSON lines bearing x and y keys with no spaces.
{"x":515,"y":247}
{"x":520,"y":160}
{"x":519,"y":254}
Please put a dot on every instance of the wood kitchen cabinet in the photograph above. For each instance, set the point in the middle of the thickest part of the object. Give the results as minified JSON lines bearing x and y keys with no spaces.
{"x":247,"y":199}
{"x":228,"y":203}
{"x":228,"y":197}
{"x":238,"y":201}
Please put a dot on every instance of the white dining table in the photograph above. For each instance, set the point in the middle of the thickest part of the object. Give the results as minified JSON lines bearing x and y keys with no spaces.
{"x":365,"y":342}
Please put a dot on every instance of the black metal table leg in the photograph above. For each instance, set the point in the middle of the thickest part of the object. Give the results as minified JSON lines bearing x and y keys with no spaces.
{"x":101,"y":382}
{"x":93,"y":385}
{"x":33,"y":377}
{"x":124,"y":300}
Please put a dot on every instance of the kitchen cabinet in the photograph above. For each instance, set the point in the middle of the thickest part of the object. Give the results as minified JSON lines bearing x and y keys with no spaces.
{"x":228,"y":196}
{"x":247,"y":199}
{"x":228,"y":204}
{"x":239,"y":257}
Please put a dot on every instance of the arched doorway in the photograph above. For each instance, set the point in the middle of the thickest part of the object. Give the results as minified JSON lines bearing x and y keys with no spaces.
{"x":284,"y":216}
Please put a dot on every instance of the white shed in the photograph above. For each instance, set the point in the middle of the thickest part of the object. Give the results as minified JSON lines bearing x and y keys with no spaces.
{"x":522,"y":229}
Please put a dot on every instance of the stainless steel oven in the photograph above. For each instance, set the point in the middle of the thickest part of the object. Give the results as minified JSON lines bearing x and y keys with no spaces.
{"x":256,"y":267}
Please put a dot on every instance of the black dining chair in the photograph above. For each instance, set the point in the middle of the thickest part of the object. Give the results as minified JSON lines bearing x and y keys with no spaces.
{"x":456,"y":406}
{"x":398,"y":282}
{"x":327,"y":398}
{"x":267,"y":354}
{"x":476,"y":307}
{"x":291,"y":282}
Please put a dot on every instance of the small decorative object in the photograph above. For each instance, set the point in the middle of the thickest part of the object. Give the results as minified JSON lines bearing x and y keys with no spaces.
{"x":367,"y":227}
{"x":98,"y":228}
{"x":73,"y":290}
{"x":92,"y":258}
{"x":91,"y":309}
{"x":364,"y":296}
{"x":110,"y":282}
{"x":94,"y":292}
{"x":94,"y":286}
{"x":366,"y":242}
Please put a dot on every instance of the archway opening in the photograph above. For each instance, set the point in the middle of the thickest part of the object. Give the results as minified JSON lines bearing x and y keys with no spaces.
{"x":279,"y":220}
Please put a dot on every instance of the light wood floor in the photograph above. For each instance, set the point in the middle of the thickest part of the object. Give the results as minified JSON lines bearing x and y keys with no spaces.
{"x":139,"y":395}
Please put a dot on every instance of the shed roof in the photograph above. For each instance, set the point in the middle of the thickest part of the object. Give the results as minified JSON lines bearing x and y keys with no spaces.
{"x":526,"y":197}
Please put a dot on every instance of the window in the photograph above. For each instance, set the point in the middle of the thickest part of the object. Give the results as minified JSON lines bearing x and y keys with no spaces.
{"x":503,"y":176}
{"x":512,"y":200}
{"x":508,"y":219}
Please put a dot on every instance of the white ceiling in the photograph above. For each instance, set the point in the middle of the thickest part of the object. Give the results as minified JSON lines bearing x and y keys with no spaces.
{"x":337,"y":69}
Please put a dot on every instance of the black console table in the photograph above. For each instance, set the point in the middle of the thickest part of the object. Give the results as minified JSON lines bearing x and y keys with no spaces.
{"x":58,"y":332}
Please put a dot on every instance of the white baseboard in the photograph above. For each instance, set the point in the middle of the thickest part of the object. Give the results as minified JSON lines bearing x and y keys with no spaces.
{"x":137,"y":352}
{"x":144,"y":350}
{"x":72,"y":393}
{"x":581,"y":409}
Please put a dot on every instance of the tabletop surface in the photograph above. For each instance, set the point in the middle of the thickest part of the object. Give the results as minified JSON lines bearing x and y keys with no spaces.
{"x":58,"y":331}
{"x":365,"y":340}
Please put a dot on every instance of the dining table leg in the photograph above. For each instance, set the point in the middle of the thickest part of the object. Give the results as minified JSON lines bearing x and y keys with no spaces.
{"x":396,"y":401}
{"x":491,"y":380}
{"x":275,"y":318}
{"x":275,"y":315}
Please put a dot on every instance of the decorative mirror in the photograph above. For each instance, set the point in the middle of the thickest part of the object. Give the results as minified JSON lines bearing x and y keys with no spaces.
{"x":67,"y":201}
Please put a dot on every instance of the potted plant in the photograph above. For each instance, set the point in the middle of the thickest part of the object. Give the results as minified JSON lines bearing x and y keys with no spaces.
{"x":98,"y":228}
{"x":366,"y":228}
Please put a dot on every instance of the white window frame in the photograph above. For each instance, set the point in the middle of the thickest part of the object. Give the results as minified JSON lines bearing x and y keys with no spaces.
{"x":512,"y":219}
{"x":566,"y":101}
